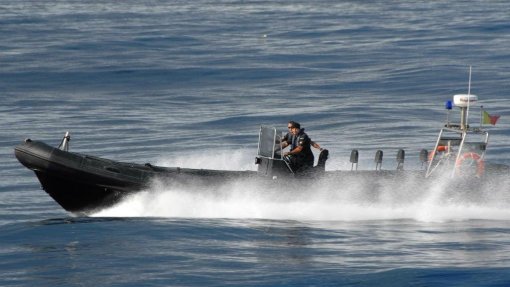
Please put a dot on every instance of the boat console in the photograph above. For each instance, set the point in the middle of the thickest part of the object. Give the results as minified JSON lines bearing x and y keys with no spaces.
{"x":270,"y":159}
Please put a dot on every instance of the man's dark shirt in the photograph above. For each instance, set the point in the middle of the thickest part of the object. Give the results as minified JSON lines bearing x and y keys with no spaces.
{"x":301,"y":139}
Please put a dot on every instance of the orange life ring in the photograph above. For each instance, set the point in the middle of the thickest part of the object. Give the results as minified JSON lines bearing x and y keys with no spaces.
{"x":480,"y":164}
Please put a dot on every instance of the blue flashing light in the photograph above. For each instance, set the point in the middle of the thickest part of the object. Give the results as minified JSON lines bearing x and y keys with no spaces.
{"x":448,"y":105}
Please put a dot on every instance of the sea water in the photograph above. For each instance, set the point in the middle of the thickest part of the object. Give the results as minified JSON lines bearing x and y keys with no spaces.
{"x":188,"y":83}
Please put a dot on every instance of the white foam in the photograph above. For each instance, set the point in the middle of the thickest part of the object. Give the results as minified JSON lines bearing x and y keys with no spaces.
{"x":350,"y":201}
{"x":240,"y":159}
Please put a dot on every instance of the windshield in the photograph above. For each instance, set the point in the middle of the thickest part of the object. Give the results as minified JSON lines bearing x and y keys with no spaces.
{"x":270,"y":142}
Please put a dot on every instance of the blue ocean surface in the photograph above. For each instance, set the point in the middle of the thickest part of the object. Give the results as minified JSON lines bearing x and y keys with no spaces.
{"x":188,"y":83}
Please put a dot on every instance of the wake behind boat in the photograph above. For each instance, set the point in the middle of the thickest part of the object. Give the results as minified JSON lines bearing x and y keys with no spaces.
{"x":83,"y":184}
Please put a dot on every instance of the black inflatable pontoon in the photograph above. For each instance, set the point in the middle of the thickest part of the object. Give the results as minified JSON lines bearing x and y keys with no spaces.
{"x":82,"y":183}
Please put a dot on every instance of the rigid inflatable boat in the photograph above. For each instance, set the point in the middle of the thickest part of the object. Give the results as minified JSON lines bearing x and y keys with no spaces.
{"x":82,"y":183}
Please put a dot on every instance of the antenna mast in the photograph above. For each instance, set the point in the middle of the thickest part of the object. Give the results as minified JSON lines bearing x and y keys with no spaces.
{"x":469,"y":98}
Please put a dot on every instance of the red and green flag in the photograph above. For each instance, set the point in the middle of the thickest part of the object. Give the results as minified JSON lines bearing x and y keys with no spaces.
{"x":489,"y":119}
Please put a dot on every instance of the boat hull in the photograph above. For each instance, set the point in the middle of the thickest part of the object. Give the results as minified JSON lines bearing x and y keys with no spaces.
{"x":83,"y":183}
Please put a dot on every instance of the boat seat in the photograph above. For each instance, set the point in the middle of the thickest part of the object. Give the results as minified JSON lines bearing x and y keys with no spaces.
{"x":323,"y":157}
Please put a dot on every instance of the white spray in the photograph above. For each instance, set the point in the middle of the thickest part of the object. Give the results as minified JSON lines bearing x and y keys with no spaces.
{"x":350,"y":201}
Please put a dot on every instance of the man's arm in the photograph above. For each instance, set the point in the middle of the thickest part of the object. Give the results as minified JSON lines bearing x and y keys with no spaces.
{"x":297,"y":150}
{"x":316,"y":145}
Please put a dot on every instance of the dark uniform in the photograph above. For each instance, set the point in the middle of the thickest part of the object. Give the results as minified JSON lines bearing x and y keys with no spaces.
{"x":304,"y":159}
